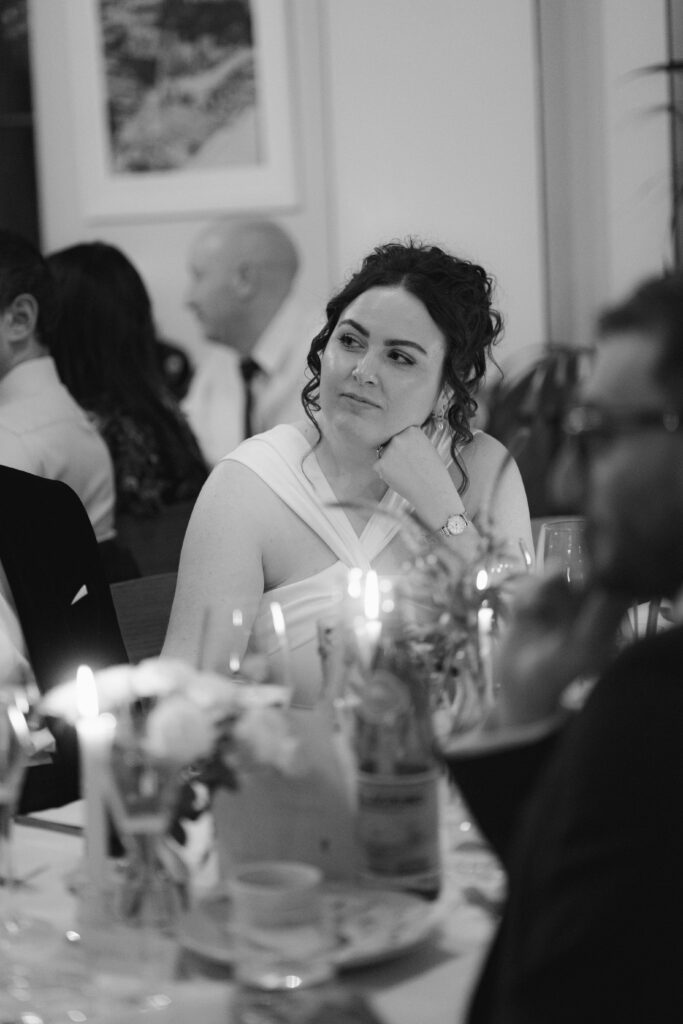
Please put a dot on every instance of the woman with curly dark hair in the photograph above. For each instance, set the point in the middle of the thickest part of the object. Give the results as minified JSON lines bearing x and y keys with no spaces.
{"x":394,"y":375}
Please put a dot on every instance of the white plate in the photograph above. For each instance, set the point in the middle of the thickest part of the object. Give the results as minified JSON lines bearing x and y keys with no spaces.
{"x":370,"y":925}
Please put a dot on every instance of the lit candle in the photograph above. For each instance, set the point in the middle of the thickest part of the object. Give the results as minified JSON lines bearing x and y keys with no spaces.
{"x":95,"y":735}
{"x":367,"y":623}
{"x":485,"y":636}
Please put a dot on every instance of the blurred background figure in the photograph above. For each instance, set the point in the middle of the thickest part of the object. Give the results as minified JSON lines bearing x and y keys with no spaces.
{"x":175,"y":366}
{"x":105,"y":346}
{"x":250,"y":377}
{"x":42,"y":428}
{"x":525,"y":413}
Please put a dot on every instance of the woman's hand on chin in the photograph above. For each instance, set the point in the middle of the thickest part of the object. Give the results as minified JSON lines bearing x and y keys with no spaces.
{"x":411,"y":466}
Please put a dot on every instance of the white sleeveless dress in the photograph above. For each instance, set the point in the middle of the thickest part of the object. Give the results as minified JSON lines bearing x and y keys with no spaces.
{"x":283,"y":458}
{"x":309,"y":817}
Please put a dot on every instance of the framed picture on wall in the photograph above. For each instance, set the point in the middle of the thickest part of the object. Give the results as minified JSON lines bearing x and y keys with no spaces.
{"x":181,"y":107}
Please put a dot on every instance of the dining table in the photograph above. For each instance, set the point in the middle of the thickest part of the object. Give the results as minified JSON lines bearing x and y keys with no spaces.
{"x":429,"y":982}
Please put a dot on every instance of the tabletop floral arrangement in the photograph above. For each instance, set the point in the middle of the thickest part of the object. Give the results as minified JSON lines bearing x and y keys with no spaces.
{"x":456,"y":606}
{"x":177,"y":733}
{"x":189,"y":716}
{"x":207,"y":727}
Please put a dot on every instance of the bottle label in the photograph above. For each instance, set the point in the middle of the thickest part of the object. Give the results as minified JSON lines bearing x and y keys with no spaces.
{"x":398,"y":828}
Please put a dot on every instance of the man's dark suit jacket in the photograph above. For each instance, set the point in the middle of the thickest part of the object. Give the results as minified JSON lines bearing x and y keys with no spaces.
{"x":590,"y":829}
{"x":50,"y":556}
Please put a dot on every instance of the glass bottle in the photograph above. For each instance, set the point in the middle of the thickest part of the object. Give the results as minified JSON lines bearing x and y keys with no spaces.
{"x":397,"y":775}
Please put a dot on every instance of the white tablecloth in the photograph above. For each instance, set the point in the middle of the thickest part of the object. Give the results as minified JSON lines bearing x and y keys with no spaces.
{"x":430,"y":985}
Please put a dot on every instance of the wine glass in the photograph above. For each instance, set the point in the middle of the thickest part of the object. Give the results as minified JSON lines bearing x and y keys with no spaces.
{"x":562,"y":548}
{"x":15,"y":750}
{"x":462,"y":685}
{"x":259,"y":656}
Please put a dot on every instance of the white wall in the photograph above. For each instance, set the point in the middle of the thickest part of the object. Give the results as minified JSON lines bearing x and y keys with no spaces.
{"x":607,"y":154}
{"x":638,"y":161}
{"x":422,"y":116}
{"x":433,"y":127}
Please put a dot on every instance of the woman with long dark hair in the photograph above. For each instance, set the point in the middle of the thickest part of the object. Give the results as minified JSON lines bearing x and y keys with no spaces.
{"x":104,"y":345}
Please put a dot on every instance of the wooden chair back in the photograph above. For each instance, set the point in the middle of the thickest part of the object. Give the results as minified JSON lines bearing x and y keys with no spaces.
{"x":143,"y":608}
{"x":155,"y":543}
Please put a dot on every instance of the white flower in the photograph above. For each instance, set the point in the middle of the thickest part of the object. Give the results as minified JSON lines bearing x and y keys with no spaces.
{"x":178,"y":729}
{"x":191,"y":711}
{"x":264,"y":734}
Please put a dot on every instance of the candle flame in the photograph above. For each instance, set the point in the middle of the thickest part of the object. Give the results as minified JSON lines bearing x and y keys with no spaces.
{"x":86,"y":693}
{"x":354,"y":582}
{"x":482,"y":580}
{"x":371,"y":595}
{"x":278,"y":619}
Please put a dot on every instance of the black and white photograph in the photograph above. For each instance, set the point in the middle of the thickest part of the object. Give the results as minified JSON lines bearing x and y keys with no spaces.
{"x":341,"y":511}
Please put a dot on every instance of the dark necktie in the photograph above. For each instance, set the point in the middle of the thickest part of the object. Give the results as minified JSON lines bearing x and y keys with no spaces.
{"x":248,"y":368}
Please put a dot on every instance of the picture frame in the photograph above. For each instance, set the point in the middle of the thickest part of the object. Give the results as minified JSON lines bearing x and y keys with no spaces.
{"x":262,"y":176}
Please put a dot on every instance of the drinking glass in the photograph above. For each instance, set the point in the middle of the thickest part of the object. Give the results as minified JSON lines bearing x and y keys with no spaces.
{"x":259,"y":657}
{"x":281,"y":927}
{"x":462,"y":685}
{"x":132,"y":949}
{"x":142,"y":790}
{"x":562,"y":548}
{"x":15,"y":749}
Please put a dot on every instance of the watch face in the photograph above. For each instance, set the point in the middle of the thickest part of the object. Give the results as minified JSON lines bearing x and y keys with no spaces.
{"x":456,"y":524}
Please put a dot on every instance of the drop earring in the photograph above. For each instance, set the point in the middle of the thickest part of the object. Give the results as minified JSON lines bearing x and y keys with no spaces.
{"x":440,"y":410}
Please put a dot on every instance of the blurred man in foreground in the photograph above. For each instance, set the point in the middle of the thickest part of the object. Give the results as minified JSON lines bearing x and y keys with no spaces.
{"x":242,"y":291}
{"x":584,"y":808}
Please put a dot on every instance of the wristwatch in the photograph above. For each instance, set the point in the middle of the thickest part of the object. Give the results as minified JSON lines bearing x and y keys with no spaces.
{"x":454,"y":525}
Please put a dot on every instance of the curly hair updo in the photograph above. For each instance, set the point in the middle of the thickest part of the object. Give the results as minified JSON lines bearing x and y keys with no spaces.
{"x":456,"y":293}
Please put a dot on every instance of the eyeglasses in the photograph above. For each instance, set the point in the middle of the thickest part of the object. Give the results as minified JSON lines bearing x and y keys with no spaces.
{"x":590,"y":426}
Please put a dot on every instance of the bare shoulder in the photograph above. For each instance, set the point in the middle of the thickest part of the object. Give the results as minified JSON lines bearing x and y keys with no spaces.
{"x":484,"y":448}
{"x":233,"y":495}
{"x":484,"y":456}
{"x":492,"y":471}
{"x":234,"y":482}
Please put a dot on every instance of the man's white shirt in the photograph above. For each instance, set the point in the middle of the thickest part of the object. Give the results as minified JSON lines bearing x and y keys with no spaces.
{"x":214,"y":404}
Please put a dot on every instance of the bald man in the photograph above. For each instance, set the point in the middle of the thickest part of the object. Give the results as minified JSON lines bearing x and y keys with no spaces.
{"x":242,"y":277}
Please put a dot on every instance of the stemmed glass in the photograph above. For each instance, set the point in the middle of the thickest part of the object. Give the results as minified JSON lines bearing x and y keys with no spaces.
{"x":18,"y":934}
{"x":259,"y":656}
{"x":15,"y":750}
{"x":562,"y":548}
{"x":18,"y":720}
{"x":463,"y":691}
